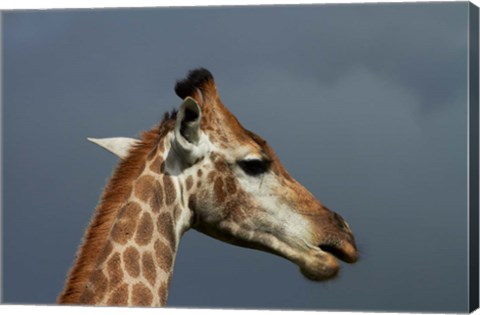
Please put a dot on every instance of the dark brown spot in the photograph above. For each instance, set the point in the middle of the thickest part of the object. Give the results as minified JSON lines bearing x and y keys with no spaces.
{"x":141,"y":295}
{"x":199,"y":173}
{"x":156,"y":201}
{"x":163,"y":255}
{"x":199,"y":183}
{"x":114,"y":270}
{"x":170,"y":194}
{"x":144,"y":187}
{"x":145,"y":230}
{"x":149,"y":190}
{"x":148,"y":268}
{"x":218,"y":189}
{"x":105,"y":252}
{"x":156,"y":165}
{"x":166,"y":228}
{"x":189,"y":182}
{"x":221,"y":166}
{"x":131,"y":258}
{"x":231,"y":186}
{"x":126,"y":223}
{"x":119,"y":296}
{"x":100,"y":284}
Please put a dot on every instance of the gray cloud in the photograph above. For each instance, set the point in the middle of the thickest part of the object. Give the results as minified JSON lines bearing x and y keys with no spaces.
{"x":364,"y":104}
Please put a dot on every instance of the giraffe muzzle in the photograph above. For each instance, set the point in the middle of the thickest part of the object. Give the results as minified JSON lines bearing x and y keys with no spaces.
{"x":340,"y":243}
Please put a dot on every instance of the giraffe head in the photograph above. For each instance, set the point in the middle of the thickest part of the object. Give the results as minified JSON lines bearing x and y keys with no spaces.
{"x":239,"y":192}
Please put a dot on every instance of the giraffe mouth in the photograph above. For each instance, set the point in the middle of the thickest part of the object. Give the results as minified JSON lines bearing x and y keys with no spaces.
{"x":324,"y":264}
{"x":346,"y":253}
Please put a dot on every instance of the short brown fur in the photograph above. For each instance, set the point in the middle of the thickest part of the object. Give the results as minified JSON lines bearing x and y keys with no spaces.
{"x":119,"y":296}
{"x":127,"y":221}
{"x":131,"y":257}
{"x":170,"y":194}
{"x":163,"y":255}
{"x":114,"y":268}
{"x":114,"y":196}
{"x":148,"y":268}
{"x":141,"y":295}
{"x":145,"y":230}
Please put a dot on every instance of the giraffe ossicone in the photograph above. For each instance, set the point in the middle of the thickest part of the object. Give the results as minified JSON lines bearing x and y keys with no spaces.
{"x":119,"y":146}
{"x":199,"y":168}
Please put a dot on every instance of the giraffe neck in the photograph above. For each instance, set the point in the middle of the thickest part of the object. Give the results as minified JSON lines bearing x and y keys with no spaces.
{"x":134,"y":262}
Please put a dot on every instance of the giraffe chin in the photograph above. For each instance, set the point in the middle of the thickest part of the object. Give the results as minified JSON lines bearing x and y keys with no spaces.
{"x":321,"y":268}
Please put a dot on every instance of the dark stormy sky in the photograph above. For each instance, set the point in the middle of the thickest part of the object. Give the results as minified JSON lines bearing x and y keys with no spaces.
{"x":364,"y":104}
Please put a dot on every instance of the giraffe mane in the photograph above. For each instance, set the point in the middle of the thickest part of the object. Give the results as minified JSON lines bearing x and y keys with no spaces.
{"x":113,"y":197}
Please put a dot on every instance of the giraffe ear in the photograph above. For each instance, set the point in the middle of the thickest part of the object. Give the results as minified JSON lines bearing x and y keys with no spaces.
{"x":187,"y":125}
{"x":120,"y":146}
{"x":187,"y":144}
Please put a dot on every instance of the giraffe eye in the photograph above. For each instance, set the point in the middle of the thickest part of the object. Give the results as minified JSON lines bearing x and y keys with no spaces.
{"x":254,"y":167}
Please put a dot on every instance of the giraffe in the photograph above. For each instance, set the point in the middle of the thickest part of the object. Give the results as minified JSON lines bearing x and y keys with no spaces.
{"x":199,"y":168}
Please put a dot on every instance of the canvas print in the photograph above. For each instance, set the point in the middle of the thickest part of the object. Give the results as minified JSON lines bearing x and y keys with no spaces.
{"x":299,"y":157}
